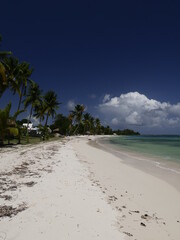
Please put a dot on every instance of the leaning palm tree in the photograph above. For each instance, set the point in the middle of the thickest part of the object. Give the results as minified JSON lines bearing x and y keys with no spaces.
{"x":4,"y":116}
{"x":87,"y":123}
{"x":97,"y":126}
{"x":77,"y":114}
{"x":39,"y":111}
{"x":50,"y":105}
{"x":33,"y":99}
{"x":3,"y":77}
{"x":11,"y":67}
{"x":3,"y":80}
{"x":23,"y":79}
{"x":92,"y":121}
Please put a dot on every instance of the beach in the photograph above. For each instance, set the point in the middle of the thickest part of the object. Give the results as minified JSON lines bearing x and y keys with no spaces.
{"x":71,"y":189}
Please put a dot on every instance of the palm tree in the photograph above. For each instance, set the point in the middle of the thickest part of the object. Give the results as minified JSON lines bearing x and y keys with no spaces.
{"x":50,"y":105}
{"x":92,"y":125}
{"x":23,"y":80}
{"x":98,"y":126}
{"x":4,"y":116}
{"x":3,"y":78}
{"x":77,"y":114}
{"x":70,"y":118}
{"x":87,"y":122}
{"x":8,"y":124}
{"x":33,"y":98}
{"x":39,"y":111}
{"x":11,"y":67}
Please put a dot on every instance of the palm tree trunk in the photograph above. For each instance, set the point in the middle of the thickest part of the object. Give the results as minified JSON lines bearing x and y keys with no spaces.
{"x":28,"y":124}
{"x":45,"y":126}
{"x":1,"y":139}
{"x":19,"y":135}
{"x":46,"y":119}
{"x":20,"y":97}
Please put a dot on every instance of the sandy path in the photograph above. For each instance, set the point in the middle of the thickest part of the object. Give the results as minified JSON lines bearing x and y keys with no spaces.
{"x":61,"y":201}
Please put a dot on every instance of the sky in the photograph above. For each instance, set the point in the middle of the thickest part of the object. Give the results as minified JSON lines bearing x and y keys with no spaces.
{"x":121,"y":59}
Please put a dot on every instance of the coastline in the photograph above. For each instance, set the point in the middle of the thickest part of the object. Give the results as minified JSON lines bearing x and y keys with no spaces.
{"x":72,"y":190}
{"x":154,"y":165}
{"x":148,"y":206}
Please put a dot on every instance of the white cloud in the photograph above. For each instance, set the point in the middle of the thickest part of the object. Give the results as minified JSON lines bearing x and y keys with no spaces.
{"x":70,"y":105}
{"x":115,"y":121}
{"x":106,"y":98}
{"x":135,"y":109}
{"x":134,"y":118}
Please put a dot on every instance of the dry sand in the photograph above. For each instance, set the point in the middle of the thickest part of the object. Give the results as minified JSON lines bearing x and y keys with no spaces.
{"x":71,"y":190}
{"x":46,"y":194}
{"x":148,"y":206}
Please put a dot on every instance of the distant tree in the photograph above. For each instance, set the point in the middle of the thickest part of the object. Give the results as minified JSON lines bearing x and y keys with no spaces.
{"x":39,"y":111}
{"x":77,"y":115}
{"x":126,"y":132}
{"x":50,"y":104}
{"x":32,"y":99}
{"x":70,"y":118}
{"x":62,"y":124}
{"x":107,"y":130}
{"x":4,"y":116}
{"x":87,"y":123}
{"x":92,"y":125}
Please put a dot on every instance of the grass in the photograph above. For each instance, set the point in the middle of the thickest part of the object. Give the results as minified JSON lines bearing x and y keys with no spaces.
{"x":32,"y":140}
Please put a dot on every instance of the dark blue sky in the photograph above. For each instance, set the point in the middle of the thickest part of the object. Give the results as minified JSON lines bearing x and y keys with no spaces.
{"x":80,"y":48}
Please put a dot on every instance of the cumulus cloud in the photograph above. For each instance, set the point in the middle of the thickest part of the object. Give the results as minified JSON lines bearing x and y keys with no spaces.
{"x":106,"y":98}
{"x":135,"y":109}
{"x":70,"y":105}
{"x":115,"y":121}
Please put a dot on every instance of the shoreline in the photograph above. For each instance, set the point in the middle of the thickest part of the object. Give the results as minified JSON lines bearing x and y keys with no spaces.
{"x":148,"y":206}
{"x":69,"y":189}
{"x":155,"y":166}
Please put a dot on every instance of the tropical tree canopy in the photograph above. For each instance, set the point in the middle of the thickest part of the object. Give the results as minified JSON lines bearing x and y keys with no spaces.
{"x":50,"y":104}
{"x":23,"y":79}
{"x":33,"y":97}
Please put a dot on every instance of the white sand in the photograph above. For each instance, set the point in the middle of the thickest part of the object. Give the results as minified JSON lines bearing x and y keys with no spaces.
{"x":83,"y":193}
{"x":134,"y":193}
{"x":63,"y":204}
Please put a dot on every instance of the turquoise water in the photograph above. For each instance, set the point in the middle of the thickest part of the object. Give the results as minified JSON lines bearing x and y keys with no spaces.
{"x":166,"y":147}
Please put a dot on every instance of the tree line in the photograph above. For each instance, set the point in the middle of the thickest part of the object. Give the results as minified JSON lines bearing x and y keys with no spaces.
{"x":16,"y":77}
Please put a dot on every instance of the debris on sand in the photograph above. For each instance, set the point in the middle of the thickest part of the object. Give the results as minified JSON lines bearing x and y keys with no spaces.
{"x":136,"y":211}
{"x":143,"y":224}
{"x":30,"y":184}
{"x":9,"y":211}
{"x":129,"y":234}
{"x":145,"y":216}
{"x":6,"y":197}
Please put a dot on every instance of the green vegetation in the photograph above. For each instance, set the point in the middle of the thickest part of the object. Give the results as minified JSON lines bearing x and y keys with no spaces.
{"x":126,"y":132}
{"x":16,"y":77}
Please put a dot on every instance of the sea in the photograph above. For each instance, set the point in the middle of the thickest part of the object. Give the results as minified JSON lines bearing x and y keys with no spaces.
{"x":158,"y":155}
